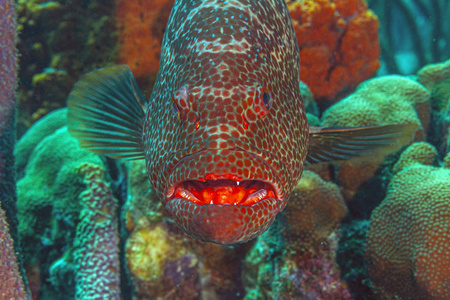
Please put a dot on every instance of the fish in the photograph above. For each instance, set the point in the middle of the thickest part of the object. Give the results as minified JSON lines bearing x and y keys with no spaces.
{"x":224,"y":134}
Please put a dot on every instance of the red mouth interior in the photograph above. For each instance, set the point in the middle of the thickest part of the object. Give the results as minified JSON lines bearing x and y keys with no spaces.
{"x":224,"y":191}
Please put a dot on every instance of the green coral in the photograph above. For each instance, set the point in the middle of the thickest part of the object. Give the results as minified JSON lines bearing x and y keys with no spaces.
{"x":50,"y":187}
{"x":34,"y":136}
{"x":381,"y":101}
{"x":436,"y":78}
{"x":48,"y":190}
{"x":422,"y":152}
{"x":407,"y":251}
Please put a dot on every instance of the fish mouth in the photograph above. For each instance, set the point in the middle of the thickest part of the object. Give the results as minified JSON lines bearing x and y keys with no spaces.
{"x":223,"y":207}
{"x":222,"y":191}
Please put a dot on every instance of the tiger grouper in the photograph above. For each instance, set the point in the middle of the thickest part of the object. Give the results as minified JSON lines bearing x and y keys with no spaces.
{"x":224,"y":133}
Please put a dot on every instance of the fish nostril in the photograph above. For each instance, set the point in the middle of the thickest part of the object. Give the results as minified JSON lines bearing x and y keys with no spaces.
{"x":175,"y":109}
{"x":244,"y":122}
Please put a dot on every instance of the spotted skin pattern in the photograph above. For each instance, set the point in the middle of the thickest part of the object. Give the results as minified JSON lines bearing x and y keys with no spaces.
{"x":207,"y":118}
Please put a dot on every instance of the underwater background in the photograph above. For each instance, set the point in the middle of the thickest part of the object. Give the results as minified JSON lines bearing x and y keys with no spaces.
{"x":355,"y":230}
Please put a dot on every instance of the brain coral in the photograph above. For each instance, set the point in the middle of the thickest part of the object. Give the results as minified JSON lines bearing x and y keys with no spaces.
{"x":339,"y":44}
{"x":407,"y":252}
{"x":316,"y":207}
{"x":436,"y":78}
{"x":380,"y":101}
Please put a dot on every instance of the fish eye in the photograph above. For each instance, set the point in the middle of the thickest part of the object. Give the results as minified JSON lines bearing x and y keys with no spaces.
{"x":267,"y":100}
{"x":262,"y":101}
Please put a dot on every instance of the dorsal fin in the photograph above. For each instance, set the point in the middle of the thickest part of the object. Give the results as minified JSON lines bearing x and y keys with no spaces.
{"x":105,"y":113}
{"x":328,"y":144}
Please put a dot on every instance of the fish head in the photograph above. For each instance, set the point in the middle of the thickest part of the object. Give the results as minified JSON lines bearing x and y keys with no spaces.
{"x":226,"y":133}
{"x":228,"y":157}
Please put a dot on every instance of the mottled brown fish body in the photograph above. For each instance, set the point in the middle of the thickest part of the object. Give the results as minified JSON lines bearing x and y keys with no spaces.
{"x":218,"y":60}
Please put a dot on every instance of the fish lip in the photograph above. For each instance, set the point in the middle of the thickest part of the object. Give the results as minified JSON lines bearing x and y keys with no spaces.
{"x":276,"y":186}
{"x":223,"y":224}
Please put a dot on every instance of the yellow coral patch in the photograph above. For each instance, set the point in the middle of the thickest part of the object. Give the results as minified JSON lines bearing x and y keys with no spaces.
{"x":147,"y":249}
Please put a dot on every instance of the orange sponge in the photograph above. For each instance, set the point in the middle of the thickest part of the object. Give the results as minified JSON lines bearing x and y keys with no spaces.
{"x":141,"y":27}
{"x":339,"y":45}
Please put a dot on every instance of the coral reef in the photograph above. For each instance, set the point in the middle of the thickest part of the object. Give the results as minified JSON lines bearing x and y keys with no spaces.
{"x":59,"y":41}
{"x":421,"y":152}
{"x":97,"y":239}
{"x":339,"y":45}
{"x":315,"y":208}
{"x":273,"y":271}
{"x":163,"y":261}
{"x":436,"y":78}
{"x":350,"y":258}
{"x":48,"y":190}
{"x":407,"y":249}
{"x":8,"y":58}
{"x":295,"y":258}
{"x":379,"y":101}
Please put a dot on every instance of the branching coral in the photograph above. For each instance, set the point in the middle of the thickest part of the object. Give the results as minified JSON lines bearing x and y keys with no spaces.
{"x":407,"y":244}
{"x":339,"y":45}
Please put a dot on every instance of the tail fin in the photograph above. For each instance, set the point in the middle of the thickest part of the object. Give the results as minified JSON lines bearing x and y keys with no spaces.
{"x":105,"y":113}
{"x":327,"y":144}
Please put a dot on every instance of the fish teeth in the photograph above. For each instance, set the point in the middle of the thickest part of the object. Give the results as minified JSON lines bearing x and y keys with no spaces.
{"x":170,"y":191}
{"x":256,"y":196}
{"x":188,"y":195}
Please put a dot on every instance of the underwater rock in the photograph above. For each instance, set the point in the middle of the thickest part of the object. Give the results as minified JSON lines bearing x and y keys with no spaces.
{"x":380,"y":101}
{"x":407,"y":251}
{"x":339,"y":45}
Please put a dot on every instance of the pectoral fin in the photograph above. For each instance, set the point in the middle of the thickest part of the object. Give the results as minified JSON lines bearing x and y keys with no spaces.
{"x":105,"y":113}
{"x":327,"y":144}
